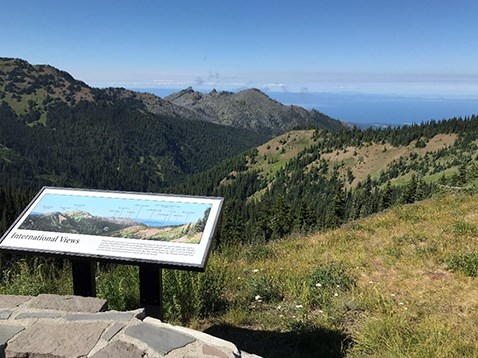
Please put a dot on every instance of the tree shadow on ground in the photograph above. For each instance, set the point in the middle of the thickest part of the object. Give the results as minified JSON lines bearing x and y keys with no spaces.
{"x":303,"y":342}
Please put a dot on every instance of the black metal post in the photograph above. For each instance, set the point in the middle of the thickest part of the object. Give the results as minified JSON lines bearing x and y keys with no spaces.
{"x":150,"y":290}
{"x":84,"y":283}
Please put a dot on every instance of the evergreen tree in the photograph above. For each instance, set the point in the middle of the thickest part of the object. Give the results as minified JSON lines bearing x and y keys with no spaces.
{"x":409,"y":191}
{"x":386,"y":199}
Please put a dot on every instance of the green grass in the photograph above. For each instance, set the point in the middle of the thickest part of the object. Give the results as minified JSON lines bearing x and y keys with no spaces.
{"x":20,"y":107}
{"x":433,"y":178}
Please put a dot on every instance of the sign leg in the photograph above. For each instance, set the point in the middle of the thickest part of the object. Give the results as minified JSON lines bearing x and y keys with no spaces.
{"x":150,"y":290}
{"x":84,"y":283}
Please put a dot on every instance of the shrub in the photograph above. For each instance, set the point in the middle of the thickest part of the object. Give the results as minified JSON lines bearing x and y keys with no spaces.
{"x":32,"y":277}
{"x":119,"y":285}
{"x":191,"y":295}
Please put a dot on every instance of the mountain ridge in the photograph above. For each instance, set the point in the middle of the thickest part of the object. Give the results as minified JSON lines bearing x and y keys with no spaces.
{"x":251,"y":108}
{"x":51,"y":122}
{"x":29,"y":89}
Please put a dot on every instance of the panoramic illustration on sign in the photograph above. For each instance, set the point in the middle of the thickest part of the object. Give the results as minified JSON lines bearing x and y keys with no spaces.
{"x":133,"y":226}
{"x":145,"y":219}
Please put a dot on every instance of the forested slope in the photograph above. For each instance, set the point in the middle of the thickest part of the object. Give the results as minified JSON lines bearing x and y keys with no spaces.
{"x":312,"y":180}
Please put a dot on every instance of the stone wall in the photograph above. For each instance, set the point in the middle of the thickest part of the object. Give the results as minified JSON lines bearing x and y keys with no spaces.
{"x":73,"y":326}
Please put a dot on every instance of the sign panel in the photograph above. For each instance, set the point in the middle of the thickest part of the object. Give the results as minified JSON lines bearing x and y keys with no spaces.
{"x":165,"y":229}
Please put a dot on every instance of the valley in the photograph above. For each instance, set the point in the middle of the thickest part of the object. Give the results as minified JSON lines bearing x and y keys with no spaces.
{"x":332,"y":239}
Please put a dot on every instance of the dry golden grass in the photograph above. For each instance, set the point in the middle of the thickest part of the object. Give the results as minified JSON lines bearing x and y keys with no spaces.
{"x":374,"y":158}
{"x":406,"y":301}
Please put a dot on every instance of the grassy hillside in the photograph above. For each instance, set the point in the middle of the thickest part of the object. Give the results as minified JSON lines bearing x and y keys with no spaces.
{"x":363,"y":160}
{"x":401,"y":283}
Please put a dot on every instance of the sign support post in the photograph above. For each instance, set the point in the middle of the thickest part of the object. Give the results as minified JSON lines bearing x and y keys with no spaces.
{"x":150,"y":290}
{"x":84,"y":283}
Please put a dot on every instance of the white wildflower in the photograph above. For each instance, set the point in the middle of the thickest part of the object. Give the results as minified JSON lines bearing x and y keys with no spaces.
{"x":257,"y":298}
{"x":318,"y":285}
{"x":298,"y":306}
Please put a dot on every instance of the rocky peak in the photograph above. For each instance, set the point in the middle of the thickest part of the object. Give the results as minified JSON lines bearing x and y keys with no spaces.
{"x":251,"y":109}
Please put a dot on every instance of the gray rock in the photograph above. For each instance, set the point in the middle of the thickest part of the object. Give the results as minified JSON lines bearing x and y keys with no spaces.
{"x":161,"y":340}
{"x":112,"y":331}
{"x":223,"y":345}
{"x":12,"y":301}
{"x":102,"y":316}
{"x":119,"y":349}
{"x":39,"y":314}
{"x":72,"y":339}
{"x":5,"y":314}
{"x":7,"y":332}
{"x":68,"y":303}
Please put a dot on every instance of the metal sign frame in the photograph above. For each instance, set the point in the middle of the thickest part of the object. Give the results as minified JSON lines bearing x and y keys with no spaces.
{"x":174,"y":231}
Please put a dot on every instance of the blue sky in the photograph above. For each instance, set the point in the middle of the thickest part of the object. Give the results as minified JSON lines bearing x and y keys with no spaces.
{"x":369,"y":46}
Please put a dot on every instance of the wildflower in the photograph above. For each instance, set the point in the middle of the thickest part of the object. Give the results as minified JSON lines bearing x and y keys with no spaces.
{"x":338,"y":286}
{"x":298,"y":306}
{"x":279,"y":307}
{"x":401,"y":303}
{"x":336,"y":294}
{"x":255,"y":270}
{"x":392,"y":294}
{"x":320,"y":311}
{"x":318,"y":285}
{"x":370,"y":282}
{"x":257,"y":298}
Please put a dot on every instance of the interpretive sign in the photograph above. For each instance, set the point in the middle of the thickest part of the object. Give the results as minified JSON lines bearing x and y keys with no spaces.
{"x":170,"y":230}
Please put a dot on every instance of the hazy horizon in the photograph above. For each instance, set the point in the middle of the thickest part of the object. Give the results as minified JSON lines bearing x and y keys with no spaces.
{"x":365,"y":108}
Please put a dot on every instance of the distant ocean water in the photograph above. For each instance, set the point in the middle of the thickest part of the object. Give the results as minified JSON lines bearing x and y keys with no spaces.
{"x":158,"y":223}
{"x":382,"y":109}
{"x":372,"y":109}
